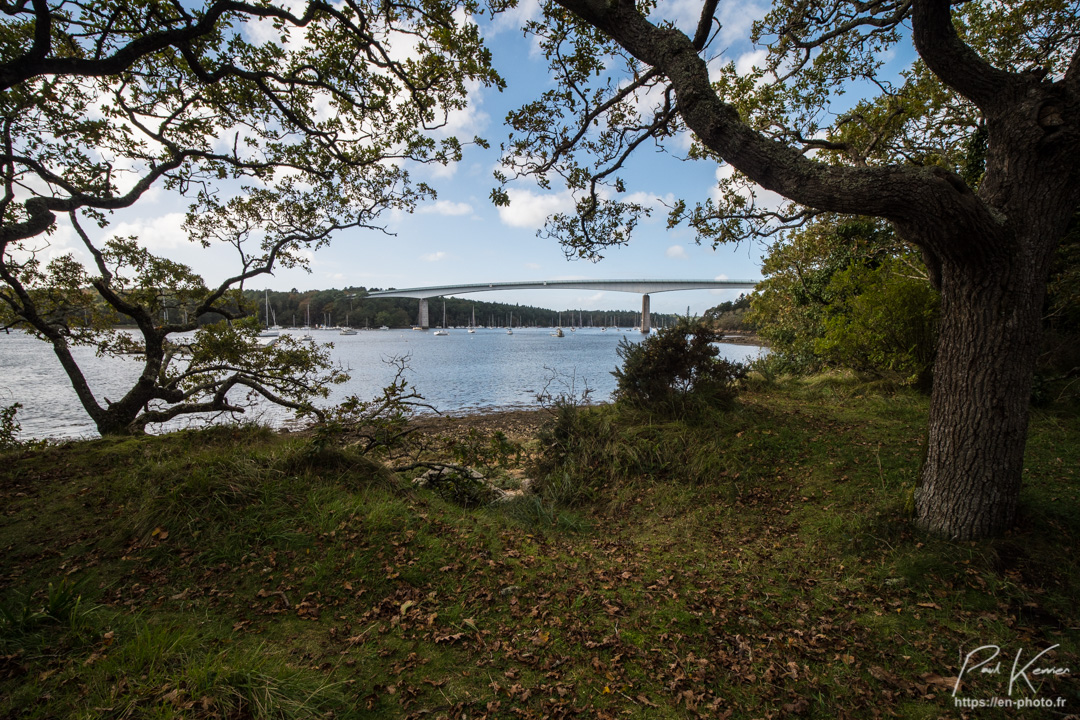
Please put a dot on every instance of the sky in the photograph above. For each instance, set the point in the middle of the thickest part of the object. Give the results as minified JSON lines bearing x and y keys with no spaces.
{"x":462,"y":238}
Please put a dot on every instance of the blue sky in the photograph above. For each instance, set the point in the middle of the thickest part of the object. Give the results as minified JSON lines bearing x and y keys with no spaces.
{"x":462,"y":238}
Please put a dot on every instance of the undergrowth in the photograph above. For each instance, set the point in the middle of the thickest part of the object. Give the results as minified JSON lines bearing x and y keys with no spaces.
{"x":758,"y":564}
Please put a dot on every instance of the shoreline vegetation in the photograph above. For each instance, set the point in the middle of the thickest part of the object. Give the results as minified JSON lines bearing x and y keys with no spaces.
{"x":758,"y":563}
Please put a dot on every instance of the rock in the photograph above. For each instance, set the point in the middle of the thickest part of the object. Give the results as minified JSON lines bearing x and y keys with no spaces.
{"x":463,"y":486}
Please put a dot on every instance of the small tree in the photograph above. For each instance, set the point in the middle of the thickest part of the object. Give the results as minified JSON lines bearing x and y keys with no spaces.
{"x":676,"y":371}
{"x":282,"y":127}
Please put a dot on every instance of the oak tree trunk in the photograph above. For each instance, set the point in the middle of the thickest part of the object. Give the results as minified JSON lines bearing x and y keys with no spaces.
{"x":990,"y":321}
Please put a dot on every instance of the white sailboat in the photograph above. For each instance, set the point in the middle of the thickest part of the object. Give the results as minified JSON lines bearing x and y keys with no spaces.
{"x":442,"y":330}
{"x":472,"y":323}
{"x":510,"y":327}
{"x":347,"y":330}
{"x":268,"y":333}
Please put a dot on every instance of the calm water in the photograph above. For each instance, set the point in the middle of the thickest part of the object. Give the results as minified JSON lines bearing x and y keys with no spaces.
{"x":457,"y":373}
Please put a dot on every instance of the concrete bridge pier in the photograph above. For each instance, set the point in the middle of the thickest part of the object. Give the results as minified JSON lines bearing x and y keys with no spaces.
{"x":422,"y":318}
{"x":646,"y":316}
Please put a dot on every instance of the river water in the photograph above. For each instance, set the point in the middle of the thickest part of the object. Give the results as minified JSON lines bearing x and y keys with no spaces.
{"x":457,"y":373}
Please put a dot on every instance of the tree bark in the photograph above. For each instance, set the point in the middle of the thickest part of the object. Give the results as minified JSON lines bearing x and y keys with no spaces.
{"x":988,"y":343}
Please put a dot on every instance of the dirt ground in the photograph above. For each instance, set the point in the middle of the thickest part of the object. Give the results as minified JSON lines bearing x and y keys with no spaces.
{"x":518,"y":425}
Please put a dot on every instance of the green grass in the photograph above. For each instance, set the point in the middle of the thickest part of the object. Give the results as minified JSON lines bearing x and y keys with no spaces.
{"x":760,"y":562}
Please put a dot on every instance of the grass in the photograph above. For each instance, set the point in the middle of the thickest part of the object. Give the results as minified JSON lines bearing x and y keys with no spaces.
{"x":760,"y":564}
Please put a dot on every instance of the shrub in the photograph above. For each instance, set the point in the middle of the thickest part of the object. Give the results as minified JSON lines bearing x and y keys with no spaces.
{"x":9,"y":427}
{"x":459,"y":485}
{"x":677,"y":372}
{"x":887,"y":326}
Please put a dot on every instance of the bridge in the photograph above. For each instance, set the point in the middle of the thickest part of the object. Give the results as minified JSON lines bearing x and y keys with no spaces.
{"x":642,"y":287}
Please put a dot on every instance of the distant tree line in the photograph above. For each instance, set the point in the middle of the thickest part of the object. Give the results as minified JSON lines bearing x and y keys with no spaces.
{"x":732,"y":316}
{"x":352,"y":306}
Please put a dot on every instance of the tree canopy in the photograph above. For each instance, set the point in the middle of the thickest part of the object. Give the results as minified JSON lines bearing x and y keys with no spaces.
{"x":283,"y":124}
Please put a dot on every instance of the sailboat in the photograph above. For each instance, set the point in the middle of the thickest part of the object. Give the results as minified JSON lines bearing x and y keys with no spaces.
{"x":347,"y":330}
{"x":558,"y":328}
{"x":510,"y":327}
{"x":442,"y":330}
{"x":268,"y":333}
{"x":472,"y":323}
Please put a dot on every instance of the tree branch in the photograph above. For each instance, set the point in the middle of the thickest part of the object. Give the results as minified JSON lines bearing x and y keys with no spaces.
{"x":36,"y":63}
{"x":705,"y":23}
{"x":953,"y":61}
{"x":1072,"y":74}
{"x":896,"y":193}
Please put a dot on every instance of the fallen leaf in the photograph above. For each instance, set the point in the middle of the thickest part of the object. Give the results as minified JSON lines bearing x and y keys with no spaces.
{"x":935,"y":679}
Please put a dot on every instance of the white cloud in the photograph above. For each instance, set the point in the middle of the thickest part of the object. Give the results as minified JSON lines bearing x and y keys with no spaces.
{"x":434,"y":257}
{"x":683,"y":13}
{"x":678,"y":252}
{"x":736,"y":19}
{"x":445,"y":207}
{"x":442,"y":172}
{"x":513,"y":19}
{"x":469,"y":120}
{"x":61,"y":242}
{"x":263,"y":30}
{"x":763,"y":199}
{"x":657,"y":203}
{"x":532,"y":266}
{"x":748,"y":61}
{"x":529,"y":210}
{"x":159,"y":233}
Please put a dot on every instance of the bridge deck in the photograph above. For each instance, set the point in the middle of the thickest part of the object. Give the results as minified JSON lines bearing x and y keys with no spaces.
{"x":641,"y":287}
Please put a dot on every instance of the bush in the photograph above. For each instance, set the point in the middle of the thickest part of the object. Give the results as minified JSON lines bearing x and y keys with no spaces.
{"x":458,"y":485}
{"x":677,"y":372}
{"x":887,"y":326}
{"x":9,"y":427}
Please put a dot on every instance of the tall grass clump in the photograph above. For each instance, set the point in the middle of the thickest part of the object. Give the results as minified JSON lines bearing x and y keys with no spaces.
{"x":62,"y":606}
{"x":673,"y":396}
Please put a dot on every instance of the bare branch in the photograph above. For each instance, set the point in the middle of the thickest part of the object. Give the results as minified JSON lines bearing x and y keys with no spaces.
{"x":896,"y":14}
